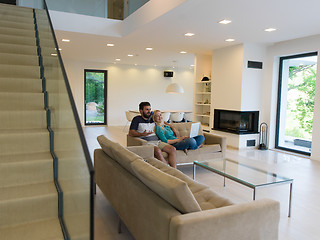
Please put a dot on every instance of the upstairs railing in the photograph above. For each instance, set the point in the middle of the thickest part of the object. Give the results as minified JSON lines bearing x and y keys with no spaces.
{"x":73,"y":169}
{"x":113,"y":9}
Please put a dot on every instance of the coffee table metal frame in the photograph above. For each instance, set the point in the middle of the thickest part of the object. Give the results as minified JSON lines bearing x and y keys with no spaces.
{"x":250,"y":185}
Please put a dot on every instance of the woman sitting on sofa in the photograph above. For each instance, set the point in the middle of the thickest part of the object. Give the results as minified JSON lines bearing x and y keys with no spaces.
{"x":166,"y":135}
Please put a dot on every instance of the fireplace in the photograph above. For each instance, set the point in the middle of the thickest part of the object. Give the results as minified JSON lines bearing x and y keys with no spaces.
{"x":237,"y":122}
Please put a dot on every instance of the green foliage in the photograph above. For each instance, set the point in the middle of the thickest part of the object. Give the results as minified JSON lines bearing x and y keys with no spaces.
{"x":100,"y":108}
{"x":302,"y":80}
{"x":95,"y":87}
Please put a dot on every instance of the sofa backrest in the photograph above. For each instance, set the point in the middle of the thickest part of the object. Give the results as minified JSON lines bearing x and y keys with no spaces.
{"x":175,"y":191}
{"x":183,"y":128}
{"x":170,"y":188}
{"x":119,"y":153}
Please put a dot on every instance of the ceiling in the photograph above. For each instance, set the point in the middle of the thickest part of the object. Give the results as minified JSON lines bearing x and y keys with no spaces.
{"x":165,"y":34}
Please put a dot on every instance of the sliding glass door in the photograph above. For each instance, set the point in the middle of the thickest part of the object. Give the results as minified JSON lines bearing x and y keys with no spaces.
{"x":95,"y":96}
{"x":297,"y":78}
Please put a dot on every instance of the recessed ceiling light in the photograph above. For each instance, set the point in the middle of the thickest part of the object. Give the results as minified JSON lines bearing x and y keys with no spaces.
{"x":110,"y":45}
{"x":183,"y":52}
{"x":192,"y":65}
{"x":270,"y":29}
{"x":54,"y":54}
{"x":225,"y":21}
{"x":149,"y":49}
{"x":65,"y":40}
{"x":130,"y":55}
{"x":230,"y":40}
{"x":189,"y":34}
{"x":59,"y":49}
{"x":118,"y":59}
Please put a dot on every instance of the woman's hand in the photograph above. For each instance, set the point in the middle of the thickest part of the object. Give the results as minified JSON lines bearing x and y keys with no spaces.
{"x":182,"y":138}
{"x":179,"y":139}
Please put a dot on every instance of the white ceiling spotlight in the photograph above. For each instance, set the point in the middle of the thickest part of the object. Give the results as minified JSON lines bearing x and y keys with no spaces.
{"x":110,"y":45}
{"x":270,"y":29}
{"x":149,"y":48}
{"x":183,"y":52}
{"x":225,"y":21}
{"x":65,"y":40}
{"x":189,"y":34}
{"x":230,"y":40}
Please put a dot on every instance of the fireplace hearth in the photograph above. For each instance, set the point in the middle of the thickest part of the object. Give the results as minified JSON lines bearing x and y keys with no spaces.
{"x":237,"y":122}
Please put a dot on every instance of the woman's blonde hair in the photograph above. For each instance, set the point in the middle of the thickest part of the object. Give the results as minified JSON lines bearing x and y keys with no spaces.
{"x":155,"y":123}
{"x":154,"y":113}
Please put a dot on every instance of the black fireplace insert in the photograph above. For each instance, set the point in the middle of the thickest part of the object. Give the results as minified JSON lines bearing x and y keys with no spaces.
{"x":238,"y":122}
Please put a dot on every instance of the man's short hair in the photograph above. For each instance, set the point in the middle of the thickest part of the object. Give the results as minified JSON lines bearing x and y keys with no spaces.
{"x":143,"y":104}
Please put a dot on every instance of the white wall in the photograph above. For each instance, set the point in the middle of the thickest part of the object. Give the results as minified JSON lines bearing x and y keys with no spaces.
{"x":227,"y":67}
{"x":252,"y":79}
{"x":292,"y":47}
{"x":129,"y":85}
{"x":235,"y":86}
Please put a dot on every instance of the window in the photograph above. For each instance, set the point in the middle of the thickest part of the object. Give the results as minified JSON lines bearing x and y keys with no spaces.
{"x":95,"y":97}
{"x":297,"y":78}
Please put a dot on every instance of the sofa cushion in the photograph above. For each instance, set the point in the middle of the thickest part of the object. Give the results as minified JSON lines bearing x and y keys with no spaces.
{"x":205,"y":197}
{"x":145,"y":151}
{"x":119,"y":153}
{"x":193,"y":185}
{"x":175,"y":191}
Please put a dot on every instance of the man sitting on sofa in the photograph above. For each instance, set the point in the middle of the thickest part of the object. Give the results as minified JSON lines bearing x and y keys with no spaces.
{"x":143,"y":126}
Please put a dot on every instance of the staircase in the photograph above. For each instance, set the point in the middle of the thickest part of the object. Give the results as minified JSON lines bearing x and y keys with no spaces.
{"x":28,"y":193}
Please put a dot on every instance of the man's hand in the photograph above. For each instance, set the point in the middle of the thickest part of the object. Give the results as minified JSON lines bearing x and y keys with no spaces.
{"x":135,"y":133}
{"x":146,"y":133}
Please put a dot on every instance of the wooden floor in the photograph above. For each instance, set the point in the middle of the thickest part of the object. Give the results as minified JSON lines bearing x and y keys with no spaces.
{"x":305,"y":214}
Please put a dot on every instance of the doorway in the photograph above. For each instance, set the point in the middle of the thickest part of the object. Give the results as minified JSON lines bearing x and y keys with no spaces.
{"x":296,"y":91}
{"x":95,"y":92}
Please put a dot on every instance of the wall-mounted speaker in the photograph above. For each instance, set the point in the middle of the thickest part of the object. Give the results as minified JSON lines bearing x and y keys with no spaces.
{"x":168,"y":74}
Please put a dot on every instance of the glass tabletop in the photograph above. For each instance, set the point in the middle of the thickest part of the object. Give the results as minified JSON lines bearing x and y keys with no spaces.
{"x":250,"y":176}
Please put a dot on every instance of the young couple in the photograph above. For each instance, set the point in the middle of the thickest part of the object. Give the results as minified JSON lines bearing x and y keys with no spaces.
{"x":152,"y":128}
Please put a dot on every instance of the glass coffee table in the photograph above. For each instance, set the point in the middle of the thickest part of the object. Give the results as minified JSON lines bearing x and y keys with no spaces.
{"x":246,"y":175}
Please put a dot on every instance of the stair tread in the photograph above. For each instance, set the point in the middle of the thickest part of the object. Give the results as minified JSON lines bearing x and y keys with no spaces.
{"x":17,"y":25}
{"x":18,"y":55}
{"x":48,"y":229}
{"x":15,"y":158}
{"x":27,"y":191}
{"x":18,"y":59}
{"x":23,"y":131}
{"x":15,"y":8}
{"x":17,"y":32}
{"x":23,"y":39}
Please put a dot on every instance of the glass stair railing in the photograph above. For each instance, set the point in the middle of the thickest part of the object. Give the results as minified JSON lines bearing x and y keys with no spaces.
{"x":46,"y":174}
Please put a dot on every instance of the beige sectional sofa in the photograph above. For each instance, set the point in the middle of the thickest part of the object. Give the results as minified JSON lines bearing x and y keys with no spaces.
{"x":214,"y":145}
{"x":158,"y":202}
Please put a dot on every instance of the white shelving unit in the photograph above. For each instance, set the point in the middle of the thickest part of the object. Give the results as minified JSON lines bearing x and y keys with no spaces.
{"x":202,"y":103}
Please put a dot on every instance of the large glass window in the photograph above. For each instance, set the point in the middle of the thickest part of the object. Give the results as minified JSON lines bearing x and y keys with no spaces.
{"x":297,"y":78}
{"x":95,"y":97}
